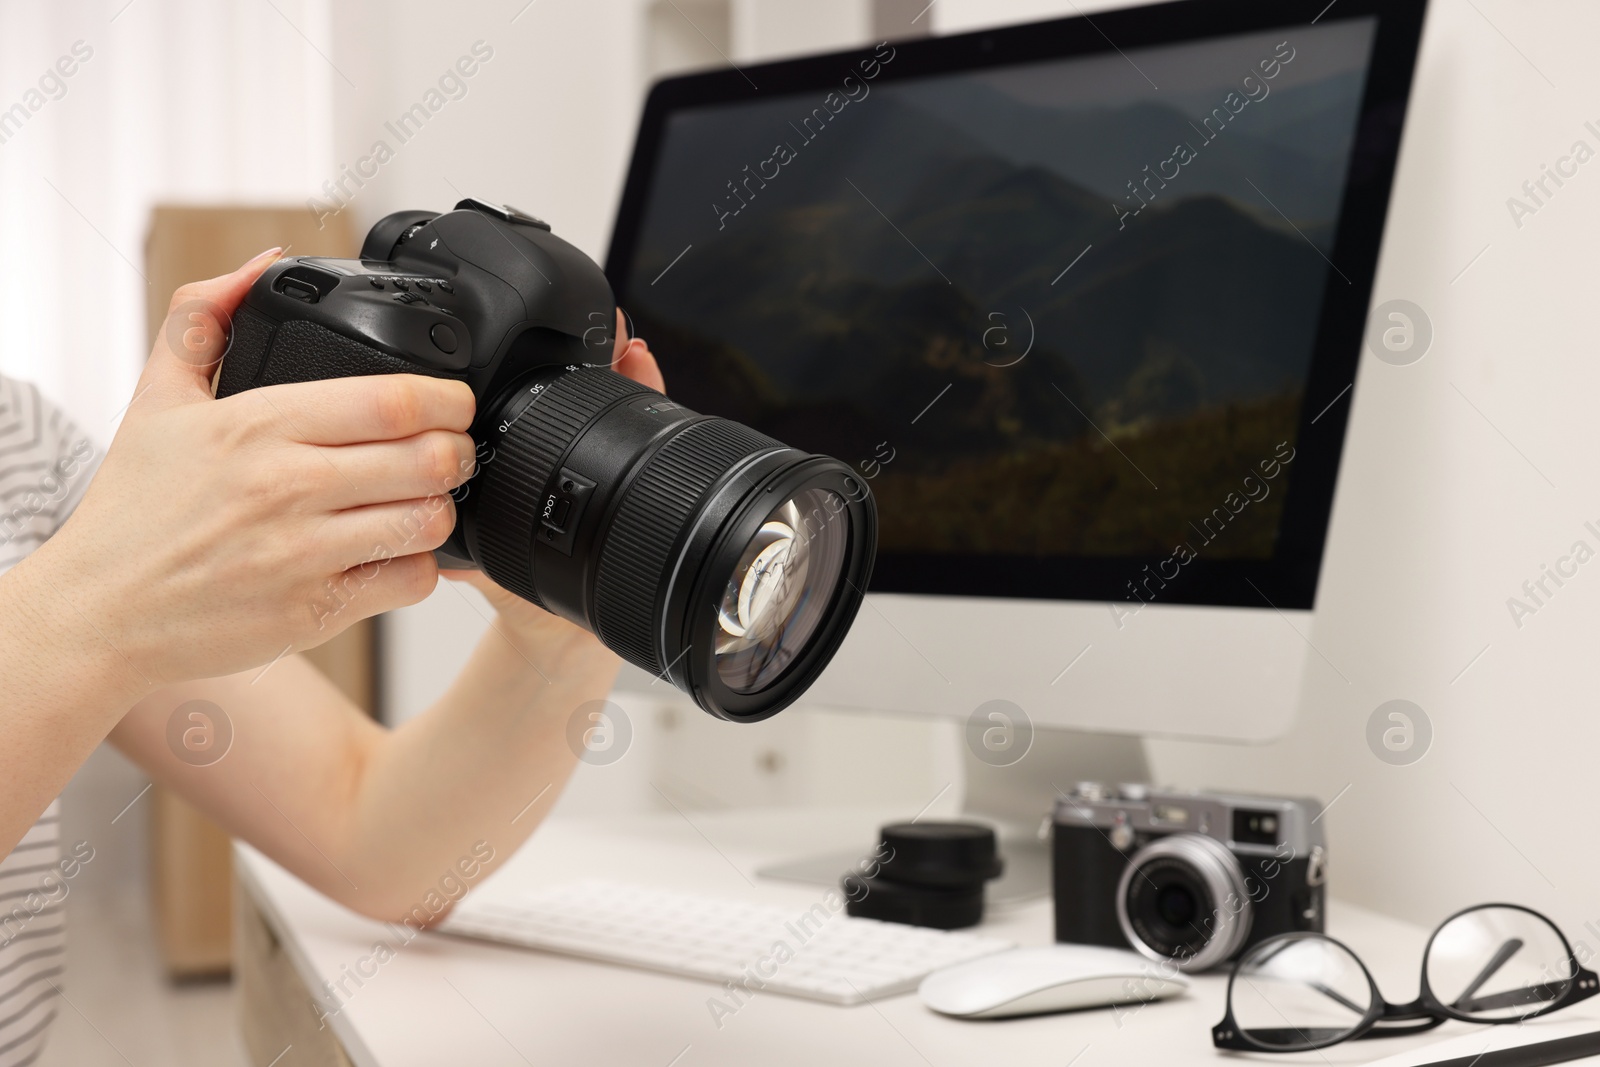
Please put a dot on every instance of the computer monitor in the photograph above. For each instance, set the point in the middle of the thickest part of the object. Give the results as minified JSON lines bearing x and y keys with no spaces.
{"x":1083,"y":300}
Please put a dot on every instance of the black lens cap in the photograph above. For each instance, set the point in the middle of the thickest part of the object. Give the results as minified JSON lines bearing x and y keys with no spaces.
{"x":939,"y":854}
{"x":897,"y":902}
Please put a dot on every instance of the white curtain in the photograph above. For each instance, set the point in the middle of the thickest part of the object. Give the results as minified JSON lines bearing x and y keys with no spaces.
{"x":189,"y":101}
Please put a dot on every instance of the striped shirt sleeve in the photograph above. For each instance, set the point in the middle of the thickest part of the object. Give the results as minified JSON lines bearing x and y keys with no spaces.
{"x":45,"y":466}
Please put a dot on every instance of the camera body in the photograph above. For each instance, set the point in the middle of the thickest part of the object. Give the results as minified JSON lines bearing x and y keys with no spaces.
{"x":700,"y":550}
{"x":484,"y":294}
{"x":1194,"y":878}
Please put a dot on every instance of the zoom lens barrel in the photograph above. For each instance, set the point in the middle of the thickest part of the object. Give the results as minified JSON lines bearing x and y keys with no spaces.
{"x":701,"y":551}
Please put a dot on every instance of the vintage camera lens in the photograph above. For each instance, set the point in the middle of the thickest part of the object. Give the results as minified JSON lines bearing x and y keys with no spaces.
{"x":698,"y":549}
{"x":1183,"y":898}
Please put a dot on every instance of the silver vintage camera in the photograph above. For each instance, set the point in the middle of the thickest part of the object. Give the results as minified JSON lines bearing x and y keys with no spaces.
{"x":1190,"y":877}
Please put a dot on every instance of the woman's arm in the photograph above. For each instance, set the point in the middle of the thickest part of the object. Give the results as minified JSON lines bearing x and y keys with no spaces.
{"x":64,"y":686}
{"x":396,"y":824}
{"x":209,"y":538}
{"x":386,"y":822}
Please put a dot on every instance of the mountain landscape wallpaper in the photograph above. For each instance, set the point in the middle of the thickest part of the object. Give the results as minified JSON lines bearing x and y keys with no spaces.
{"x":1073,"y":337}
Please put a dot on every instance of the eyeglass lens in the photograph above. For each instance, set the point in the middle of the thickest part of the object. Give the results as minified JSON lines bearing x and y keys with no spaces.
{"x":1498,"y":963}
{"x":1295,"y":993}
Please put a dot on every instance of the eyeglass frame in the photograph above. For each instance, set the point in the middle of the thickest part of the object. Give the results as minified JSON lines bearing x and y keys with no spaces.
{"x":1426,"y":1012}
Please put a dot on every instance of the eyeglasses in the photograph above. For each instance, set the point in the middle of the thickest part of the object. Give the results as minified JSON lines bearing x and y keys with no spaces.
{"x":1495,"y":963}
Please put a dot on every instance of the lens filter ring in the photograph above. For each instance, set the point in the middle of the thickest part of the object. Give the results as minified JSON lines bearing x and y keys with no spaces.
{"x":1183,"y":899}
{"x":834,"y":521}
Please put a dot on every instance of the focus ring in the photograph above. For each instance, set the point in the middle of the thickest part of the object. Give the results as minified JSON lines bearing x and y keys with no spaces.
{"x":512,"y":480}
{"x":655,"y":512}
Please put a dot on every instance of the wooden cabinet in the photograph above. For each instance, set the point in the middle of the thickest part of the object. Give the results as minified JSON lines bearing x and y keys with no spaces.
{"x":191,"y":863}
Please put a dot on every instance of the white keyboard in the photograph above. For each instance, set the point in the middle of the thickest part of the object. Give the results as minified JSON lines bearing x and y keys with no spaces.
{"x":820,"y":954}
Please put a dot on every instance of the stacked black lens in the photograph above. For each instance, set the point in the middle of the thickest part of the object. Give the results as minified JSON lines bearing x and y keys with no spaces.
{"x":927,"y":874}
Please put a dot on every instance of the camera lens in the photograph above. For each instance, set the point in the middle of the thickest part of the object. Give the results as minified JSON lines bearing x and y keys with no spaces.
{"x":778,"y":593}
{"x":1176,"y":906}
{"x":698,"y":549}
{"x":1183,"y":898}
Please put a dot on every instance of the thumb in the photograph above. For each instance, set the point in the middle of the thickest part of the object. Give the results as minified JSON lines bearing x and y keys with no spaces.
{"x":195,"y":333}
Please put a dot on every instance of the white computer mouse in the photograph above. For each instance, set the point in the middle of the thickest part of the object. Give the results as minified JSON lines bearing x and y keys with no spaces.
{"x":1030,"y":981}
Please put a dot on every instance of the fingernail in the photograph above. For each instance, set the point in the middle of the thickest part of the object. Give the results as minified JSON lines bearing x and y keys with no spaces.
{"x":271,"y":253}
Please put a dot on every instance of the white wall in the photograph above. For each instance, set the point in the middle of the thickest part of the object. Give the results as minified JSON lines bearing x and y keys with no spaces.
{"x":546,"y":123}
{"x":776,"y":29}
{"x":181,"y":100}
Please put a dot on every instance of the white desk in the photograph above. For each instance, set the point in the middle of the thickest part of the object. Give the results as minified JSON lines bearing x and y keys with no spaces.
{"x":444,"y":1000}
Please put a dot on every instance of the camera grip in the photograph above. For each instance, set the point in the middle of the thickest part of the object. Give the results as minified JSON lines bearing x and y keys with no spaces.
{"x":247,"y":350}
{"x":300,"y":351}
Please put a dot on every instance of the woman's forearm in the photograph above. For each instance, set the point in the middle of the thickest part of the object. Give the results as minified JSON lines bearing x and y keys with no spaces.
{"x":452,"y":793}
{"x":63,"y":686}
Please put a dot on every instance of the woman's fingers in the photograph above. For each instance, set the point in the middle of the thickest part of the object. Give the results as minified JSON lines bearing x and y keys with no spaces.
{"x":375,"y":587}
{"x":622,"y":337}
{"x":195,"y":333}
{"x":631,"y":357}
{"x":345,"y":411}
{"x":638,"y":363}
{"x":429,"y":464}
{"x":384,"y":532}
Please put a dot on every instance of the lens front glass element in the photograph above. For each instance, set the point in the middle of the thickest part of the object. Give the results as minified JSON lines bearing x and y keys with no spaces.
{"x":1498,"y":963}
{"x":779,"y":591}
{"x":1298,"y":993}
{"x":1170,"y":908}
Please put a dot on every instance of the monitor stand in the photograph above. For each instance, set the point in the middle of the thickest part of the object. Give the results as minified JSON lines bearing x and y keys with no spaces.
{"x":1016,"y":801}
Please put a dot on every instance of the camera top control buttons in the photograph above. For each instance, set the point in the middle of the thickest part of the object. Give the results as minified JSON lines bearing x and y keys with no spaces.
{"x":408,"y":298}
{"x":376,"y":283}
{"x":422,"y":283}
{"x":299,"y":290}
{"x":401,"y":283}
{"x":445,"y":286}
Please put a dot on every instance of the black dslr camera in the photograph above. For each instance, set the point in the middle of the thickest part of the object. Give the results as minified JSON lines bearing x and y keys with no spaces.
{"x":695,"y":548}
{"x":1191,"y":878}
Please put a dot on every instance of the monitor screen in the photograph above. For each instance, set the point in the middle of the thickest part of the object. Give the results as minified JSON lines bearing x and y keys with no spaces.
{"x":1061,"y":312}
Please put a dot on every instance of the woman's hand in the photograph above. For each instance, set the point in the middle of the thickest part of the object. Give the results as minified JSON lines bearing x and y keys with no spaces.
{"x":219,"y":535}
{"x":632,"y":357}
{"x":519,"y":621}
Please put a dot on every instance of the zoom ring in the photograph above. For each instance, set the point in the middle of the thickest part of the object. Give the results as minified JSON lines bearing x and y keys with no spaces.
{"x":653,"y":515}
{"x":512,"y":480}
